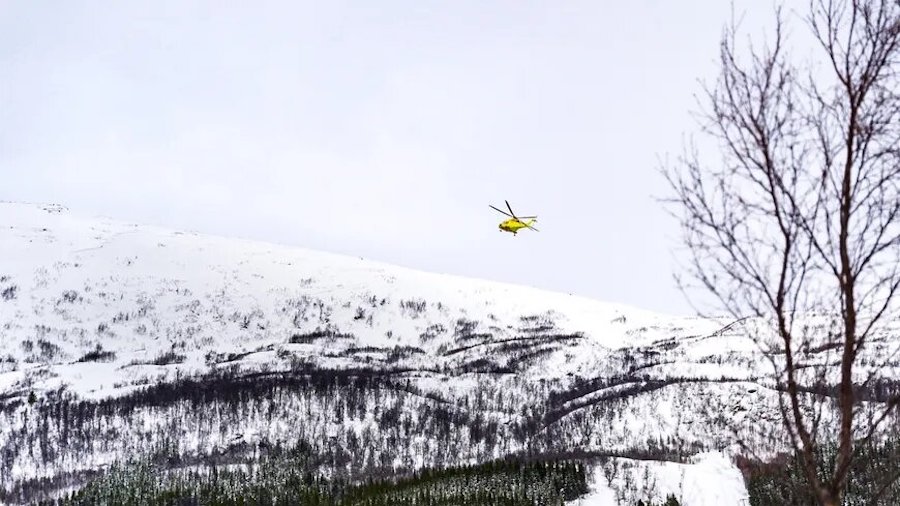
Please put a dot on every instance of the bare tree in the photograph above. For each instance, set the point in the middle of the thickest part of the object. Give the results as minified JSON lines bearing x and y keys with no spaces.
{"x":798,"y":224}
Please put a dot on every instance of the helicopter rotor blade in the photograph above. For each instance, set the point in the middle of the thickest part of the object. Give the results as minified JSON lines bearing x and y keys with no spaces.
{"x":510,"y":209}
{"x":501,"y":211}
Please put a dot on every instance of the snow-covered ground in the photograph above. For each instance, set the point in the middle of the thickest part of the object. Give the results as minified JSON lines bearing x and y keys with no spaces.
{"x":710,"y":479}
{"x":100,"y":309}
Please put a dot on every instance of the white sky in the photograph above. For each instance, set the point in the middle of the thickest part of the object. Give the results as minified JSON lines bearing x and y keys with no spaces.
{"x":378,"y":129}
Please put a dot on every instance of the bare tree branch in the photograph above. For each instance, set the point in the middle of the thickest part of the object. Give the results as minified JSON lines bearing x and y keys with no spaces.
{"x":802,"y":215}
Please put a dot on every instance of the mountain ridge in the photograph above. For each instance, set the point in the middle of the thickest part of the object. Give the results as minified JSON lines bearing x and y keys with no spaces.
{"x":7,"y":208}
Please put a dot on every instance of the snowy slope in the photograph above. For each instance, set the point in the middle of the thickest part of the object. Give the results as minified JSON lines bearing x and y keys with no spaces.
{"x":93,"y":309}
{"x":709,"y":479}
{"x":141,"y":291}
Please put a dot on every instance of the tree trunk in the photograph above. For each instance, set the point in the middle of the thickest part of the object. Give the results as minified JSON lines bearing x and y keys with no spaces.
{"x":829,"y":497}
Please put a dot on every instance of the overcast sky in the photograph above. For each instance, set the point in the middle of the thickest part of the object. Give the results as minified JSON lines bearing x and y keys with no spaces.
{"x":380,"y":129}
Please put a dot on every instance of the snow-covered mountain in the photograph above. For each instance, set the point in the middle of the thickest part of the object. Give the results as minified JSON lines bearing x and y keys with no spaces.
{"x":120,"y":341}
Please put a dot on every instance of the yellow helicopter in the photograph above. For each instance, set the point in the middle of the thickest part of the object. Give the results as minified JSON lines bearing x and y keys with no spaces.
{"x":515,"y":223}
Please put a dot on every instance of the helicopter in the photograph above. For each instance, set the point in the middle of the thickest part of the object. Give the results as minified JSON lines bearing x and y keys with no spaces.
{"x":515,"y":223}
